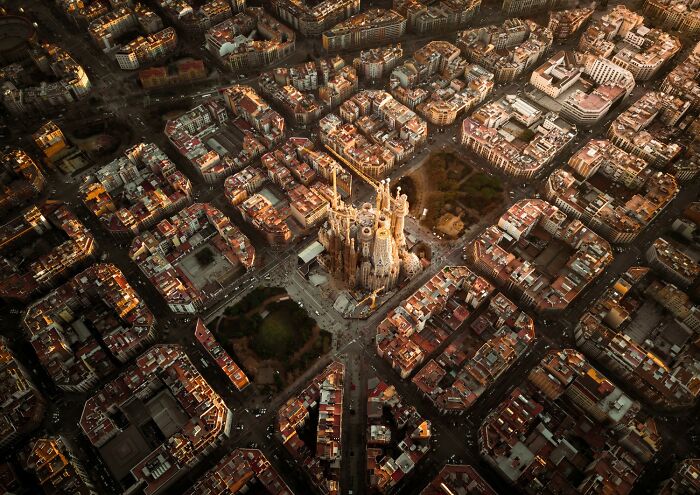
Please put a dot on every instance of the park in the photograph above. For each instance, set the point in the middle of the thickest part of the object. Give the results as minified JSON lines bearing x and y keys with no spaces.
{"x":271,"y":336}
{"x":452,"y":191}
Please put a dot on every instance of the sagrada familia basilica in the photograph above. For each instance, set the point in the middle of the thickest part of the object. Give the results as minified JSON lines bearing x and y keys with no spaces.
{"x":366,"y":247}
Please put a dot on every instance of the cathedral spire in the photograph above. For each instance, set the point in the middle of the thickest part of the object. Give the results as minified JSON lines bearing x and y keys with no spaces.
{"x":386,"y":195}
{"x":334,"y":201}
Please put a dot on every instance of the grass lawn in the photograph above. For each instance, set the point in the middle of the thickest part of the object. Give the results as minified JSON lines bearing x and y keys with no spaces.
{"x":283,"y":331}
{"x":275,"y":337}
{"x":445,"y":169}
{"x":480,"y":191}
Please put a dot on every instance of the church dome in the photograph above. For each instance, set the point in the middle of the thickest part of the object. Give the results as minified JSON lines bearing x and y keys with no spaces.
{"x":411,"y":265}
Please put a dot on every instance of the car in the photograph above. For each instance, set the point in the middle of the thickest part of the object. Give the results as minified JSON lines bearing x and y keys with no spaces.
{"x":317,"y":313}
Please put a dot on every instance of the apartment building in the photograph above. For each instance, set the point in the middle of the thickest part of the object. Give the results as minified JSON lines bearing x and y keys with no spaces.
{"x":23,"y":407}
{"x":207,"y":340}
{"x":312,"y":18}
{"x":376,"y":63}
{"x":369,"y":28}
{"x":244,"y":102}
{"x":406,"y":336}
{"x":68,"y":82}
{"x":241,"y":185}
{"x":561,"y":395}
{"x":425,"y":17}
{"x":646,"y":192}
{"x":308,"y":90}
{"x":194,"y":18}
{"x":144,"y":51}
{"x":634,"y":129}
{"x":392,"y":457}
{"x":44,"y":271}
{"x":494,"y":255}
{"x":80,"y":329}
{"x":165,"y":255}
{"x":238,"y":472}
{"x":261,"y":214}
{"x":161,"y":379}
{"x":56,"y":468}
{"x":662,"y":367}
{"x":27,"y":179}
{"x":320,"y":462}
{"x":152,"y":187}
{"x":682,"y":81}
{"x":250,"y":39}
{"x":107,"y":29}
{"x":505,"y":334}
{"x":565,"y":24}
{"x":507,"y":50}
{"x":431,"y":83}
{"x":681,"y":15}
{"x":458,"y":478}
{"x":672,"y":263}
{"x":485,"y":132}
{"x":643,"y":50}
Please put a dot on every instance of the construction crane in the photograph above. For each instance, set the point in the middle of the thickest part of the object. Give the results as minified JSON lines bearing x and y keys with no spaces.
{"x":373,"y":296}
{"x":370,"y":180}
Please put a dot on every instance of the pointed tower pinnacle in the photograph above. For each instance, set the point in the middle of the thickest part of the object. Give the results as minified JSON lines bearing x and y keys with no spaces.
{"x":334,"y":201}
{"x":386,"y":199}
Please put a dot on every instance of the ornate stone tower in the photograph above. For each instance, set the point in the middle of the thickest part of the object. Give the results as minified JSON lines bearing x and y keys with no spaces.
{"x":366,"y":246}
